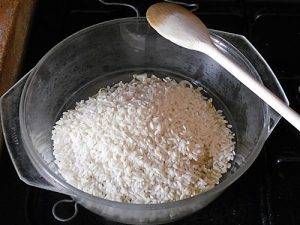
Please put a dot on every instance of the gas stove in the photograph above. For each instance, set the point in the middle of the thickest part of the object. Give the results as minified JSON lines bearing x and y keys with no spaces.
{"x":267,"y":194}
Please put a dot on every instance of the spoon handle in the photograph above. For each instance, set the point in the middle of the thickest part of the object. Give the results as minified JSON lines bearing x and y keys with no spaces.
{"x":261,"y":91}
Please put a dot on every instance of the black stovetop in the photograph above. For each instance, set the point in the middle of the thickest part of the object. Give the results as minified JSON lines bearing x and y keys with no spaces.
{"x":267,"y":194}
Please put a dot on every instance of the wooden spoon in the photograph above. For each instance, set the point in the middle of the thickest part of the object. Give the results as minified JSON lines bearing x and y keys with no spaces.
{"x":182,"y":27}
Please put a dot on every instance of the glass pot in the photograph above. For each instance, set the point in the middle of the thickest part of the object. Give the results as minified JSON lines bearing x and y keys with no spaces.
{"x":106,"y":53}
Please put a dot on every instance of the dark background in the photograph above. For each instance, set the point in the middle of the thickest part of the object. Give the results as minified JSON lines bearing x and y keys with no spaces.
{"x":268,"y":193}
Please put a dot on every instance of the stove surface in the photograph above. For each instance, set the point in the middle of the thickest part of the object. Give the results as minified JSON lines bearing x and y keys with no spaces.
{"x":267,"y":194}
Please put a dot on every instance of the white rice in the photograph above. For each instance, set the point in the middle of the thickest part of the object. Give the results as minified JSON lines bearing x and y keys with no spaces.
{"x":146,"y":141}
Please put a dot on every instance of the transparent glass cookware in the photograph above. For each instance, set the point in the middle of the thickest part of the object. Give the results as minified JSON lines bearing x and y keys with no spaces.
{"x":106,"y":53}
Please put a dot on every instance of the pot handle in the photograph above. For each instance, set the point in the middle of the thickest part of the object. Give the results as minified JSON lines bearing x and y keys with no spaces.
{"x":9,"y":109}
{"x":273,"y":84}
{"x":190,"y":5}
{"x":273,"y":121}
{"x":64,"y":202}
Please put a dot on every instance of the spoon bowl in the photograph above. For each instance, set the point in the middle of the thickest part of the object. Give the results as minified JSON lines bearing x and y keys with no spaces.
{"x":179,"y":25}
